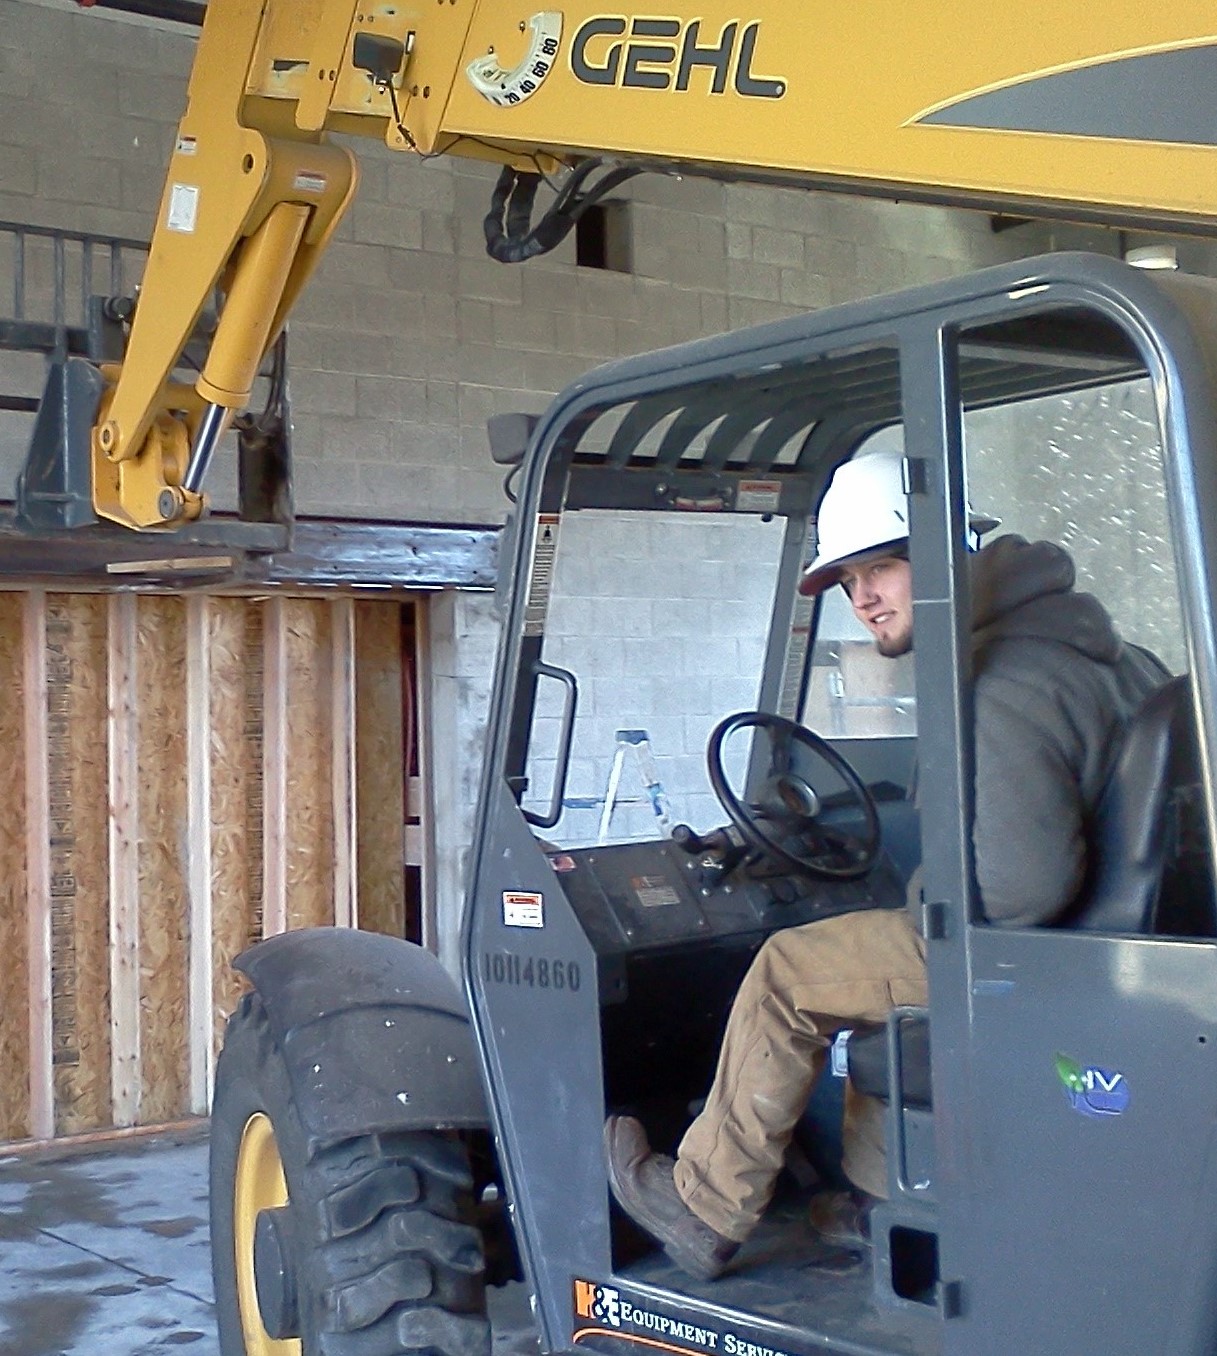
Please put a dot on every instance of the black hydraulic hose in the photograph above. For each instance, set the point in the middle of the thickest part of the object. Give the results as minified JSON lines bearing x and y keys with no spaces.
{"x":510,"y":236}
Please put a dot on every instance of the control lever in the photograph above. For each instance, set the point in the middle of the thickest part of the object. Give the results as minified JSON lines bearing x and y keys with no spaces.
{"x":720,"y":850}
{"x":714,"y":843}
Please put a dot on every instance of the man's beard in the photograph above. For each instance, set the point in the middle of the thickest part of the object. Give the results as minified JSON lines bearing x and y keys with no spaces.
{"x":894,"y":646}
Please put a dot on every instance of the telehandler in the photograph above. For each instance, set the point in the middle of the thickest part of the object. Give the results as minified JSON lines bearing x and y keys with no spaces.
{"x":385,"y":1146}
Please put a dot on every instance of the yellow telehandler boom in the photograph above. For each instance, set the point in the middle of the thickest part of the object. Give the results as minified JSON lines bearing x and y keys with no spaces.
{"x":1096,"y":113}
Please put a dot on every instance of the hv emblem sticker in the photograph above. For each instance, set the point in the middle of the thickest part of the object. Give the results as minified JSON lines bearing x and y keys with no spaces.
{"x":1091,"y":1090}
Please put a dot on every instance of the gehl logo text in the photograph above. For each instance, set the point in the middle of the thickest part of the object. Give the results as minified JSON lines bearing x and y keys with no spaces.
{"x":648,"y":53}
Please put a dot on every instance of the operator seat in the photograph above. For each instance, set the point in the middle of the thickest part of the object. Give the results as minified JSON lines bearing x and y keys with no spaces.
{"x":1142,"y":843}
{"x":1135,"y":829}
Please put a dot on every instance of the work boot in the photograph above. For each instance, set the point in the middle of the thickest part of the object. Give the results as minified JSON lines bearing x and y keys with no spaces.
{"x":842,"y":1218}
{"x":643,"y":1185}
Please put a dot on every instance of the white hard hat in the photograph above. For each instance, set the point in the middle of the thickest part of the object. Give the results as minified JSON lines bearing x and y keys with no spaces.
{"x":864,"y":512}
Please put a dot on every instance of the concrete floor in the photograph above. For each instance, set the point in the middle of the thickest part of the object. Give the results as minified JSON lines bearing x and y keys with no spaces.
{"x":106,"y":1253}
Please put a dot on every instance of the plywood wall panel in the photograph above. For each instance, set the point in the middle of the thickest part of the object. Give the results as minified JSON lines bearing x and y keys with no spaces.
{"x":14,"y":970}
{"x":379,"y":772}
{"x":77,"y":780}
{"x":309,"y":812}
{"x":236,"y":797}
{"x":163,"y":885}
{"x":195,"y":774}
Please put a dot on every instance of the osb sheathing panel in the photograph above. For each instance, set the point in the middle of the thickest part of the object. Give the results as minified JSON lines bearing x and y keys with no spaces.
{"x":77,"y":763}
{"x":379,"y":774}
{"x":78,"y":667}
{"x":236,"y":795}
{"x":14,"y":965}
{"x":164,"y":909}
{"x":309,"y":820}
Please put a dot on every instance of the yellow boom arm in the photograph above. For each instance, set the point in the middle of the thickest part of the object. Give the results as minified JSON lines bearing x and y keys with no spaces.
{"x":1099,"y":112}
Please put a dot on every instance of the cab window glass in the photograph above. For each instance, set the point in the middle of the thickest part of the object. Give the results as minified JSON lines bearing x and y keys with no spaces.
{"x":663,"y":618}
{"x":1085,"y":470}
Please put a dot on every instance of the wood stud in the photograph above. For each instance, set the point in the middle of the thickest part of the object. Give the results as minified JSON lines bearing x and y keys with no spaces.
{"x":167,"y":745}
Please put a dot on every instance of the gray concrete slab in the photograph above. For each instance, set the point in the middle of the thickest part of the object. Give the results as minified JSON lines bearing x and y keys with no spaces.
{"x":105,"y":1252}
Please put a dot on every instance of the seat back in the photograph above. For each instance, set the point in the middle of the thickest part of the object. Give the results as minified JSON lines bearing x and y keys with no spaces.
{"x":1131,"y":835}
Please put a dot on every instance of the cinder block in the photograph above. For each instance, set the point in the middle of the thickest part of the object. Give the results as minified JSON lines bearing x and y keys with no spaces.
{"x":493,"y":365}
{"x":698,"y":270}
{"x":476,"y":403}
{"x":552,"y":371}
{"x":16,"y":170}
{"x":328,"y":488}
{"x":746,"y":278}
{"x":548,"y":286}
{"x":425,"y":355}
{"x":738,"y":238}
{"x":440,"y":313}
{"x":71,"y":177}
{"x":423,"y":273}
{"x":439,"y":235}
{"x":441,"y":403}
{"x":314,"y":392}
{"x":522,"y":328}
{"x":745,"y":311}
{"x":325,"y":305}
{"x":427,"y":186}
{"x":362,"y":264}
{"x":607,"y":293}
{"x":115,"y":40}
{"x":783,"y":248}
{"x":713,"y":314}
{"x":431,"y":443}
{"x":158,"y":98}
{"x":342,"y":351}
{"x":395,"y":398}
{"x":595,"y":336}
{"x":16,"y":76}
{"x":489,"y":281}
{"x":140,"y":189}
{"x":354,"y":440}
{"x":652,"y":259}
{"x":377,"y":223}
{"x":416,"y":492}
{"x":805,"y":290}
{"x":384,"y":311}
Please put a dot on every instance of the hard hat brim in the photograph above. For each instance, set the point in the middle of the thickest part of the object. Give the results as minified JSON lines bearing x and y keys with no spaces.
{"x":823,"y":572}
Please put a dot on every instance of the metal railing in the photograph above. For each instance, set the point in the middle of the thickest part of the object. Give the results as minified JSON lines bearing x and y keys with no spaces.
{"x":56,"y":279}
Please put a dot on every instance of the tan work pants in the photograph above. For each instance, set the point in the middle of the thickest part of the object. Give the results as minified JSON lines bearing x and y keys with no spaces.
{"x":804,"y":985}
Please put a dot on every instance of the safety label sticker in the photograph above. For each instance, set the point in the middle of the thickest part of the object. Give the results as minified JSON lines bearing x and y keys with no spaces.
{"x":523,"y":909}
{"x":183,"y":208}
{"x":654,"y":892}
{"x":542,"y":578}
{"x":309,"y":181}
{"x":758,"y":496}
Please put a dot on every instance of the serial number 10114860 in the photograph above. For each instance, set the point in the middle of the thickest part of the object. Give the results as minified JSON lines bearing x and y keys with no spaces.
{"x":505,"y":967}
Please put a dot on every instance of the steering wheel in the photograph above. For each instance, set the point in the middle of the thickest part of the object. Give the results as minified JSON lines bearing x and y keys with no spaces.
{"x":789,"y":803}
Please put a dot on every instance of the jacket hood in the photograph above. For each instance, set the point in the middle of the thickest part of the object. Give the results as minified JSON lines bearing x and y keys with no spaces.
{"x":1025,"y":589}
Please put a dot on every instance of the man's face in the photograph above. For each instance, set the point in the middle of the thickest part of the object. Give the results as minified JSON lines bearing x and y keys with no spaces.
{"x":881,"y":594}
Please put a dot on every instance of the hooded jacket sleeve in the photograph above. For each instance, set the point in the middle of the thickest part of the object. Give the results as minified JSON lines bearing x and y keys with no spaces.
{"x":1028,"y":835}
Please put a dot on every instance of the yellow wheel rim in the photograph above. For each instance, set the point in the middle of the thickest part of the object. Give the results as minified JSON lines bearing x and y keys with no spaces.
{"x":260,"y":1185}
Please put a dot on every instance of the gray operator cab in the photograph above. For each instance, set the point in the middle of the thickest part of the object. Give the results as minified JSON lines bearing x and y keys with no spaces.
{"x":1061,"y":1194}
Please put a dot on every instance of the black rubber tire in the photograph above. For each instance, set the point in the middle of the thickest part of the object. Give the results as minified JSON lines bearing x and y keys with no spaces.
{"x":385,"y":1257}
